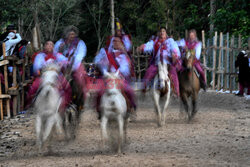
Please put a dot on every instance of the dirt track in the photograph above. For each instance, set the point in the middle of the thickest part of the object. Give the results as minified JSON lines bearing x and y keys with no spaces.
{"x":218,"y":136}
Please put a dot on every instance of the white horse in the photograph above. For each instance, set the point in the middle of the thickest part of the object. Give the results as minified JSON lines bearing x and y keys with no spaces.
{"x":47,"y":104}
{"x":114,"y":108}
{"x":161,"y":92}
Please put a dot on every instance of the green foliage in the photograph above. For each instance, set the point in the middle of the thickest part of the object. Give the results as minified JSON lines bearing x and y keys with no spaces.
{"x":140,"y":18}
{"x":233,"y":17}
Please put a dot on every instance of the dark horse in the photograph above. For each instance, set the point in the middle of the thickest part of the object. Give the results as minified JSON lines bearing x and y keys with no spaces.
{"x":75,"y":109}
{"x":189,"y":84}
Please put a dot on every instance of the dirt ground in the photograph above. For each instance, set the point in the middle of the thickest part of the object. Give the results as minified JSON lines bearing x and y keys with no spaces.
{"x":219,"y":135}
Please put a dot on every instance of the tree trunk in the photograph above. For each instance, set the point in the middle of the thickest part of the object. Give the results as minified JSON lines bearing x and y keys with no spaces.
{"x":112,"y":17}
{"x":174,"y":18}
{"x":212,"y":12}
{"x":37,"y":29}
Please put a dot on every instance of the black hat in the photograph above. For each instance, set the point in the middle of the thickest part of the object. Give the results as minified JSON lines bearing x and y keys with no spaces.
{"x":11,"y":27}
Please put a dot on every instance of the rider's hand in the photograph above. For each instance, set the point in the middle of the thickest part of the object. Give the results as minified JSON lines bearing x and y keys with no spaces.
{"x":61,"y":47}
{"x":174,"y":57}
{"x":140,"y":49}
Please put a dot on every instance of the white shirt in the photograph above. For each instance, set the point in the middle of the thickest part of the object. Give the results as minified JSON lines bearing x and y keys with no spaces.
{"x":79,"y":54}
{"x":11,"y":43}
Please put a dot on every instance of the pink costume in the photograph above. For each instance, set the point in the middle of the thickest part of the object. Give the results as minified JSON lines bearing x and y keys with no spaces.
{"x":163,"y":50}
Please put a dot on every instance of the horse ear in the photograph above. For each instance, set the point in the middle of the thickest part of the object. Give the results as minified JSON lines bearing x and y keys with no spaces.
{"x":106,"y":74}
{"x":188,"y":54}
{"x":117,"y":73}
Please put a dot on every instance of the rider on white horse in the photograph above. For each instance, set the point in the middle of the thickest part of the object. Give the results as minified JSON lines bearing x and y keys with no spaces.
{"x":41,"y":60}
{"x":112,"y":61}
{"x":164,"y":49}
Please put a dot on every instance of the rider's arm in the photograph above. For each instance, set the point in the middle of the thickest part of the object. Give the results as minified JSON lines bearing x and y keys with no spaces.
{"x":181,"y":43}
{"x":174,"y":49}
{"x":79,"y":54}
{"x":127,"y":42}
{"x":124,"y":65}
{"x":198,"y":51}
{"x":148,"y":47}
{"x":101,"y":60}
{"x":57,"y":45}
{"x":39,"y":62}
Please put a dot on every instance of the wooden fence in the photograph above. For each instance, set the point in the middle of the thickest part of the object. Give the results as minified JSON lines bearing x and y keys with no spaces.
{"x":218,"y":57}
{"x":12,"y":98}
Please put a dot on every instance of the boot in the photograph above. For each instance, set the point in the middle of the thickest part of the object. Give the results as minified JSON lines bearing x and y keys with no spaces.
{"x":203,"y":85}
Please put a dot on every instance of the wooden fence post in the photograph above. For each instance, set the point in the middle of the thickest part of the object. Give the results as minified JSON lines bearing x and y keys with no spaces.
{"x":204,"y":53}
{"x":214,"y":58}
{"x":231,"y":65}
{"x":139,"y":66}
{"x":239,"y":47}
{"x":219,"y":63}
{"x":6,"y":84}
{"x":226,"y":62}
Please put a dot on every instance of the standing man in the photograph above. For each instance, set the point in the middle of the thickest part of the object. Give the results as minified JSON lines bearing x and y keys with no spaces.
{"x":243,"y":62}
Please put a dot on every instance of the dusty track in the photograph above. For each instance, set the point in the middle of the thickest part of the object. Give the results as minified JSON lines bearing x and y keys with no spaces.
{"x":218,"y":136}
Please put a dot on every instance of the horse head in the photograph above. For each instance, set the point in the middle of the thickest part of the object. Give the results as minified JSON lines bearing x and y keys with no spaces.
{"x":113,"y":82}
{"x":50,"y":73}
{"x":163,"y":75}
{"x":188,"y":59}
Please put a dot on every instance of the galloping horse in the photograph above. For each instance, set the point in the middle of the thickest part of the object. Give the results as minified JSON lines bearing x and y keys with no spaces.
{"x":114,"y":107}
{"x":189,"y":84}
{"x":161,"y":91}
{"x":76,"y":108}
{"x":47,"y":104}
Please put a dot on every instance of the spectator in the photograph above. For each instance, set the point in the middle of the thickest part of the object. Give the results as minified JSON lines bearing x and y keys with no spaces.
{"x":10,"y":42}
{"x":244,"y":72}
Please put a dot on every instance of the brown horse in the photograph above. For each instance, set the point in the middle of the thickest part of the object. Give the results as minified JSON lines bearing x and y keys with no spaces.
{"x":189,"y":84}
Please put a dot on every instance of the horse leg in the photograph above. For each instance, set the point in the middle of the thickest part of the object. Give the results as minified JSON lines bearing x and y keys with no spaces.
{"x":184,"y":100}
{"x":104,"y":122}
{"x":59,"y":123}
{"x":48,"y":127}
{"x":166,"y":105}
{"x":121,"y":133}
{"x":157,"y":106}
{"x":182,"y":113}
{"x":38,"y":132}
{"x":125,"y":129}
{"x":194,"y":103}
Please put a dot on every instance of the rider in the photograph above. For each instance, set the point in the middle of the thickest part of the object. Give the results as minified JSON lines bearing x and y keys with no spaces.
{"x":42,"y":59}
{"x":71,"y":48}
{"x":165,"y":50}
{"x":111,"y":61}
{"x":192,"y":43}
{"x":125,"y":39}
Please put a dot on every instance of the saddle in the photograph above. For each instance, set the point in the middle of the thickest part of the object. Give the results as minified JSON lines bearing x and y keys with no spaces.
{"x":129,"y":106}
